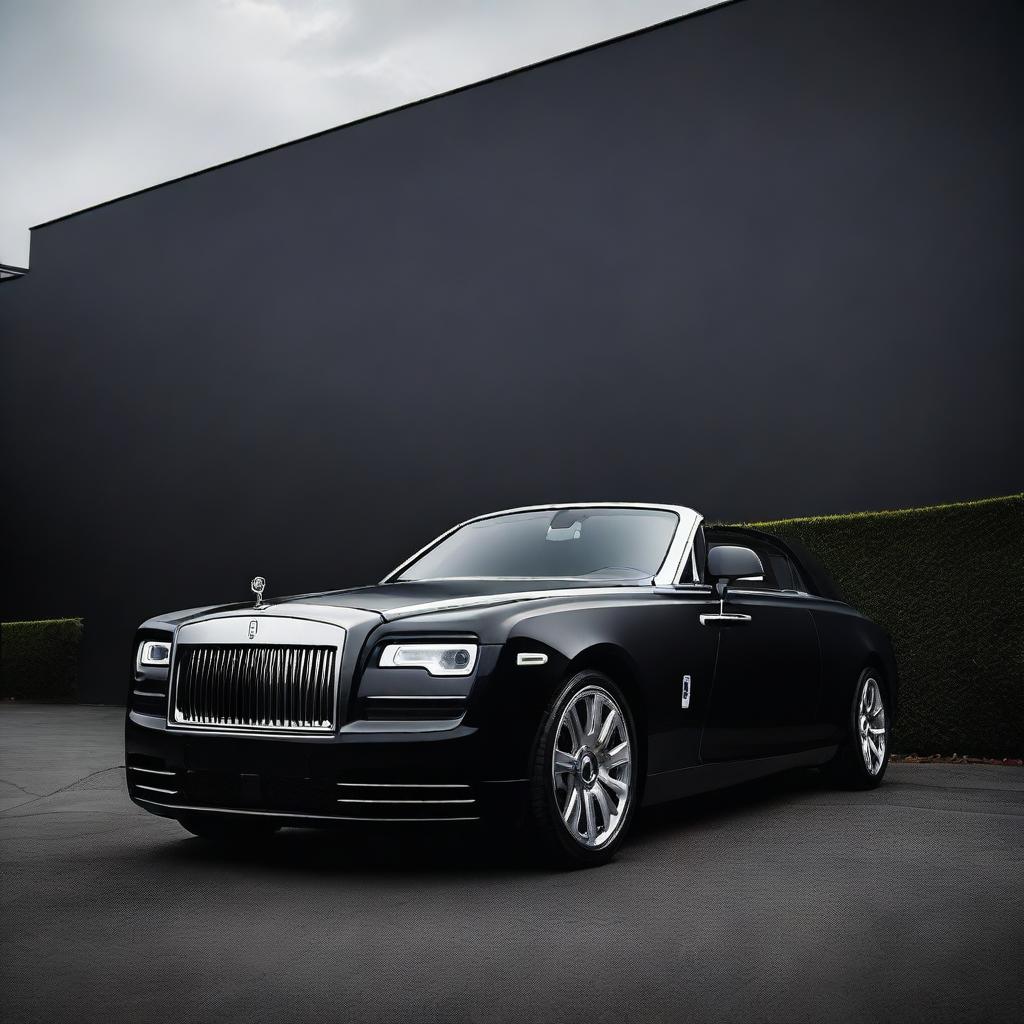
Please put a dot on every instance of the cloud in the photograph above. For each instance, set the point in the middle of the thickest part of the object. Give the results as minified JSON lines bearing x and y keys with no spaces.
{"x":103,"y":97}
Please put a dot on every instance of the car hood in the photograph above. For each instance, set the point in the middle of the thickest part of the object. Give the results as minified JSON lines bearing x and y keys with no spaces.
{"x":387,"y":597}
{"x":388,"y":601}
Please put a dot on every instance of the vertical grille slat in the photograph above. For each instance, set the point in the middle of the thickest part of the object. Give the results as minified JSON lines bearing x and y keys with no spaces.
{"x":255,"y":686}
{"x":304,"y":676}
{"x":315,"y":679}
{"x":269,"y":687}
{"x":283,"y":688}
{"x":223,"y":697}
{"x":280,"y":718}
{"x":319,"y":687}
{"x":293,"y":709}
{"x":260,"y":674}
{"x":216,"y":703}
{"x":201,"y":682}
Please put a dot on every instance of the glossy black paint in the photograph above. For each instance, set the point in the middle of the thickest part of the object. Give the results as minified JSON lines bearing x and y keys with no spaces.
{"x":766,"y":694}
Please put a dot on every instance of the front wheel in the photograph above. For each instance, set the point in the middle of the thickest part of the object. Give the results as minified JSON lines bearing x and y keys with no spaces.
{"x":584,"y":783}
{"x":861,"y":760}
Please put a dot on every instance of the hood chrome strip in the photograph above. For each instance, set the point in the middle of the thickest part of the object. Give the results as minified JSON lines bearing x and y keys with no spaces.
{"x":455,"y":603}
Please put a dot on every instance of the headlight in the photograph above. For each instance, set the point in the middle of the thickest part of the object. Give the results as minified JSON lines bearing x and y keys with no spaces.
{"x":155,"y":652}
{"x":437,"y":659}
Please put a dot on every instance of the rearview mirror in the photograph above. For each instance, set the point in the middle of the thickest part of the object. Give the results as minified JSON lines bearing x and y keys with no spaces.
{"x":729,"y":562}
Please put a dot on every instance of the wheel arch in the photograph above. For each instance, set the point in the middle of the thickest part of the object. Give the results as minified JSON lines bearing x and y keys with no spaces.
{"x":887,"y":670}
{"x":616,"y":663}
{"x":850,"y":642}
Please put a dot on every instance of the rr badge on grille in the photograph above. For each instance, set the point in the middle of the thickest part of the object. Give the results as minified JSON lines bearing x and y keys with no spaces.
{"x":253,"y":627}
{"x":258,"y":585}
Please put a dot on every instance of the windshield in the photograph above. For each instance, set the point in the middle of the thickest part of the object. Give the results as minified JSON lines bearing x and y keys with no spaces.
{"x":567,"y":543}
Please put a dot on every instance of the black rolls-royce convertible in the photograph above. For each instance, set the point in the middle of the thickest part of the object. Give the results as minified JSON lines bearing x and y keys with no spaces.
{"x":553,"y":667}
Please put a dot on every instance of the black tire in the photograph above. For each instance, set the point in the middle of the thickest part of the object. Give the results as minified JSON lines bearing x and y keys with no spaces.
{"x":554,"y":836}
{"x":228,"y":829}
{"x":849,"y":768}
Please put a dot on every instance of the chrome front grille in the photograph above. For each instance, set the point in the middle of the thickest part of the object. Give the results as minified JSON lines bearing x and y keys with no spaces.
{"x":255,"y":686}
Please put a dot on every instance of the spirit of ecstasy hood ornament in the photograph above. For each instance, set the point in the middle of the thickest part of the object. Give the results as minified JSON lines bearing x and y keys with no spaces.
{"x":258,"y":585}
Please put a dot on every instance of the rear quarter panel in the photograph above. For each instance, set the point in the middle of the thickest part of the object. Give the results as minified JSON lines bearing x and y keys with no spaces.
{"x":850,"y":642}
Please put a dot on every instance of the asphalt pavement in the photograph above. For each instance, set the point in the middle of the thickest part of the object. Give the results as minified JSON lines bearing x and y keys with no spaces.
{"x":778,"y":901}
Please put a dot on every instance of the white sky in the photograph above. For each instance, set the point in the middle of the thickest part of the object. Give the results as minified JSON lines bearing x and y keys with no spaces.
{"x":103,"y":97}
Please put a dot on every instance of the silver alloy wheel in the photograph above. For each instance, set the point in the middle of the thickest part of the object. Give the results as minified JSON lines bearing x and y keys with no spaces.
{"x":591,"y":767}
{"x":871,"y":726}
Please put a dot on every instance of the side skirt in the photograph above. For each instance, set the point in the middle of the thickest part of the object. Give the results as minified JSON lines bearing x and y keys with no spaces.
{"x":702,"y":778}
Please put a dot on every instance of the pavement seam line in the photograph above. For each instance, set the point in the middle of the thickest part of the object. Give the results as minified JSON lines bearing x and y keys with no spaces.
{"x":42,"y":796}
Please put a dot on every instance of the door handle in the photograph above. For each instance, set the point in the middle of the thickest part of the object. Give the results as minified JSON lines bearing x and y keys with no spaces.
{"x":724,"y":619}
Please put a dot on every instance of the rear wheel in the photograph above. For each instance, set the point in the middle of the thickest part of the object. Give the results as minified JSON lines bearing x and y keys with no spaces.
{"x":228,"y":829}
{"x":861,"y":760}
{"x":584,"y":783}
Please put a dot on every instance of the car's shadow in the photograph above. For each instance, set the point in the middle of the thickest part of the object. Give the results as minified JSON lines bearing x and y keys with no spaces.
{"x":410,"y":850}
{"x":781,"y":789}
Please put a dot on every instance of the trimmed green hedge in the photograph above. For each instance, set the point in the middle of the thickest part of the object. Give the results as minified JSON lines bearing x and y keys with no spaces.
{"x":39,"y":660}
{"x":947,"y":582}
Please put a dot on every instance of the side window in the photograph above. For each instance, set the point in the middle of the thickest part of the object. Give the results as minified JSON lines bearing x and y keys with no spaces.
{"x":782,"y":569}
{"x":686,"y":573}
{"x":780,"y":572}
{"x":700,"y":555}
{"x":799,"y":583}
{"x":769,"y":561}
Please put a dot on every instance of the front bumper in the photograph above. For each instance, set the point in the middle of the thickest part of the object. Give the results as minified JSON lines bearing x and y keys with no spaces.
{"x":444,"y":774}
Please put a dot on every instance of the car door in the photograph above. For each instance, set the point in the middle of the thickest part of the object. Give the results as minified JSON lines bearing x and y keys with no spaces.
{"x":765,"y":694}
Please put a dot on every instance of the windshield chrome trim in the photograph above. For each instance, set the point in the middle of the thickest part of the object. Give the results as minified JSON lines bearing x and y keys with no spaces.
{"x":686,"y":526}
{"x":605,"y":581}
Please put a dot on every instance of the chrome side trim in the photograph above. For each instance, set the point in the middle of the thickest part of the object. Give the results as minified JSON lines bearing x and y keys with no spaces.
{"x":406,"y":785}
{"x":401,"y":725}
{"x":415,"y":696}
{"x":156,"y":789}
{"x":355,"y":800}
{"x":191,"y":809}
{"x":150,"y":771}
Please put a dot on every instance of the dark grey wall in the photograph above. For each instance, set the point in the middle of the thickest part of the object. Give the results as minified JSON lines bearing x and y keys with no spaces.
{"x":763,"y":261}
